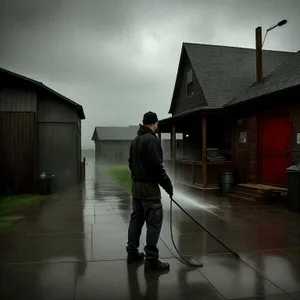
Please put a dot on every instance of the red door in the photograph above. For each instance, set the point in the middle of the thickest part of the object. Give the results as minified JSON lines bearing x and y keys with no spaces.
{"x":275,"y":135}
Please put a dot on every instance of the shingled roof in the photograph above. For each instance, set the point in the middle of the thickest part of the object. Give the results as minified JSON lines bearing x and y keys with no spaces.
{"x":224,"y":71}
{"x":284,"y":77}
{"x":114,"y":133}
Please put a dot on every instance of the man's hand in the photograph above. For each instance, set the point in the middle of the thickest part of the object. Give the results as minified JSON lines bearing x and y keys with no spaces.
{"x":170,"y":190}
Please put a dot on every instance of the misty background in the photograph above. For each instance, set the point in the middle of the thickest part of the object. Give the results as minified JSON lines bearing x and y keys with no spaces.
{"x":119,"y":59}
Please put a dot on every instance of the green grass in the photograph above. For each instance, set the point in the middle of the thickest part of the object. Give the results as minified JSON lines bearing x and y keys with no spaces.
{"x":11,"y":207}
{"x":7,"y":221}
{"x":121,"y":174}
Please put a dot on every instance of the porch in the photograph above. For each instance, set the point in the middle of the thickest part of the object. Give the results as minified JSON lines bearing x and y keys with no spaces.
{"x":205,"y":151}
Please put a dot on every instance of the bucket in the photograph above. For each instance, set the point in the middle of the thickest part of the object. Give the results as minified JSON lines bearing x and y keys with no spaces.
{"x":226,"y":182}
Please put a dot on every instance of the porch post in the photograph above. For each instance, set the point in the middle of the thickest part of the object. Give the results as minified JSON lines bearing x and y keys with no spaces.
{"x":173,"y":144}
{"x":204,"y":165}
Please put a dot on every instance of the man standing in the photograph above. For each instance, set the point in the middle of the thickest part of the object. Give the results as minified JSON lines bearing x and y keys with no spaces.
{"x":147,"y":173}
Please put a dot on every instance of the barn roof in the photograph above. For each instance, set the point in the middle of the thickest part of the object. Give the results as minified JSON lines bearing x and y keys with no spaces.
{"x":41,"y":85}
{"x":284,"y":77}
{"x":114,"y":133}
{"x":224,"y":71}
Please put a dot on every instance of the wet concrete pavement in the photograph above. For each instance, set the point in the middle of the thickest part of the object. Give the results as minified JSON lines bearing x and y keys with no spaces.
{"x":74,"y":248}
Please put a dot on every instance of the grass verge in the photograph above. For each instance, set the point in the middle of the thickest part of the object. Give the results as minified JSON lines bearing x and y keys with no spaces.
{"x":7,"y":221}
{"x":121,"y":174}
{"x":11,"y":207}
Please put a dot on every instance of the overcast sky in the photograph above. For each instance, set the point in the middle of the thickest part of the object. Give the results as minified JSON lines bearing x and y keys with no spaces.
{"x":118,"y":58}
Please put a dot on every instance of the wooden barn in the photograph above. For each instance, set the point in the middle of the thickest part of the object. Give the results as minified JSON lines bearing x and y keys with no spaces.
{"x":208,"y":78}
{"x":40,"y":131}
{"x":112,"y":143}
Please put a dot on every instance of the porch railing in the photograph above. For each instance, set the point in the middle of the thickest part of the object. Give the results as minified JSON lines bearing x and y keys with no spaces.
{"x":190,"y":172}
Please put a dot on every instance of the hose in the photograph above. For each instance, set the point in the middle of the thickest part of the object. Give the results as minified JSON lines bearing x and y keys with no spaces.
{"x":183,"y":260}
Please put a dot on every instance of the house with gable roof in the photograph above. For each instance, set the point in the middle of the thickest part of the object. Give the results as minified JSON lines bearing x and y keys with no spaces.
{"x":112,"y":143}
{"x":214,"y":90}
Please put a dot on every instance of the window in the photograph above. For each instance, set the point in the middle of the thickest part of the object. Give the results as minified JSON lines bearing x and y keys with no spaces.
{"x":297,"y":139}
{"x":242,"y":137}
{"x":190,"y":89}
{"x":242,"y":132}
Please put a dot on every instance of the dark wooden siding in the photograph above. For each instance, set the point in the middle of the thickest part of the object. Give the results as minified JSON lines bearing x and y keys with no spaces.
{"x":252,"y":136}
{"x":182,"y":102}
{"x":17,"y":152}
{"x":59,"y":132}
{"x":53,"y":109}
{"x":296,"y":130}
{"x":240,"y":155}
{"x":245,"y":154}
{"x":240,"y":162}
{"x":79,"y":154}
{"x":17,"y":99}
{"x":58,"y":152}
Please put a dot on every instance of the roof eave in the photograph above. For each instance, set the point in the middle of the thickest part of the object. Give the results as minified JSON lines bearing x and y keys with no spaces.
{"x":205,"y":110}
{"x":261,"y":96}
{"x":176,"y":79}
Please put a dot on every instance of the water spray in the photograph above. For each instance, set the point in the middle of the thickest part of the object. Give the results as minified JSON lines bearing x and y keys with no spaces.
{"x":201,"y":226}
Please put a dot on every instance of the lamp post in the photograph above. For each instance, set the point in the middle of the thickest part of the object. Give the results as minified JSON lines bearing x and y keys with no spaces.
{"x":259,"y":45}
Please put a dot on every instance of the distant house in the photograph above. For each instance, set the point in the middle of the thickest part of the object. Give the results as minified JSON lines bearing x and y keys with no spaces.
{"x":222,"y":132}
{"x":40,"y":131}
{"x":112,"y":144}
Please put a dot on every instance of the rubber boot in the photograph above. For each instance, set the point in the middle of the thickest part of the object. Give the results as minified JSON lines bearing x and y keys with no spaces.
{"x":156,"y":265}
{"x":133,"y":257}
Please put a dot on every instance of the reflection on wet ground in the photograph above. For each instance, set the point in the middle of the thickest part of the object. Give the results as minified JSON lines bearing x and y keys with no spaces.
{"x":74,"y":248}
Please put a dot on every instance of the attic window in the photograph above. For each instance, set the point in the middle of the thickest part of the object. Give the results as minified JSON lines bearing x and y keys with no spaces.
{"x":190,"y":88}
{"x":189,"y":82}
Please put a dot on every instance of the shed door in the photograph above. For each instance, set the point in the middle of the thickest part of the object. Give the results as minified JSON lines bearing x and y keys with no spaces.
{"x":58,"y":153}
{"x":17,"y":152}
{"x":275,"y":135}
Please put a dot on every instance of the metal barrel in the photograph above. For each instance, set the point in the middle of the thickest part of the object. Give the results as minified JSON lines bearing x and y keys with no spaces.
{"x":226,"y":182}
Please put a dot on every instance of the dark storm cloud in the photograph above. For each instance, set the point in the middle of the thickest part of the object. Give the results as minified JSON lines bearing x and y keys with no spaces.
{"x":119,"y":58}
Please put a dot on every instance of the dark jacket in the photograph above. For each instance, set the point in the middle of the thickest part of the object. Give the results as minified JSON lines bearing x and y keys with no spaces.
{"x":146,"y":166}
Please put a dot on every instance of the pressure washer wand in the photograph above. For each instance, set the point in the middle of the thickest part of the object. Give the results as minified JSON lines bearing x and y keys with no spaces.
{"x":234,"y":253}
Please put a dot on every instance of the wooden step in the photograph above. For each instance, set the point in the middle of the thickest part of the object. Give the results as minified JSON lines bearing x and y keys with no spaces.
{"x":263,"y":187}
{"x":240,"y":198}
{"x":251,"y":190}
{"x":252,"y":193}
{"x":240,"y":189}
{"x":246,"y":194}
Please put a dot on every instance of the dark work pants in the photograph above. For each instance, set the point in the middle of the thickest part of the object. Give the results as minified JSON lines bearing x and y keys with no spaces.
{"x":151,"y":212}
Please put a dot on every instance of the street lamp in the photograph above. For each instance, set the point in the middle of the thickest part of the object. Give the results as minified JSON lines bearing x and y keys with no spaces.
{"x":259,"y":45}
